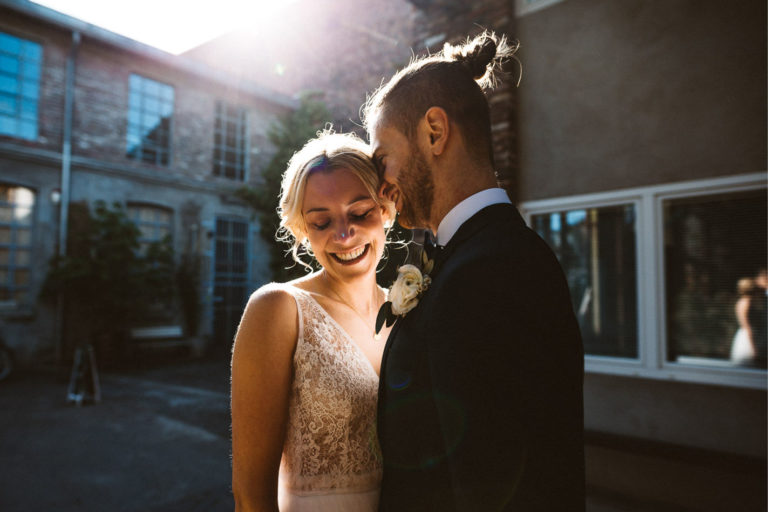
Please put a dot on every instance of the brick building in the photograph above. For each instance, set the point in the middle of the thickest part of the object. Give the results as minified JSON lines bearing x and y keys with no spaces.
{"x":87,"y":115}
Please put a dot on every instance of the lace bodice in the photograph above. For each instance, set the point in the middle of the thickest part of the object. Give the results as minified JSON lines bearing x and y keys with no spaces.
{"x":331,"y":444}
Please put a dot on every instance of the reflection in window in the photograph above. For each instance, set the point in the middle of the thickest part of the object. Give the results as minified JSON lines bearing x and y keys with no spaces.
{"x":19,"y":86}
{"x":715,"y":258}
{"x":16,"y":207}
{"x":229,"y":142}
{"x":150,"y":110}
{"x":154,"y":223}
{"x":596,"y":248}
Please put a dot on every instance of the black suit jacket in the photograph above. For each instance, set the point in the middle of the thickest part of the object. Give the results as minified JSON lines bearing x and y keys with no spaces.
{"x":480,"y":396}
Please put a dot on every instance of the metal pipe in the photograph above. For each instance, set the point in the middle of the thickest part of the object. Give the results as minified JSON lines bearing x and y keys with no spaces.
{"x":66,"y":147}
{"x":66,"y":162}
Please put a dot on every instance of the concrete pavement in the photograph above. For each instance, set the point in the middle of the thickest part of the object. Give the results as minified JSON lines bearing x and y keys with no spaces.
{"x":158,"y":441}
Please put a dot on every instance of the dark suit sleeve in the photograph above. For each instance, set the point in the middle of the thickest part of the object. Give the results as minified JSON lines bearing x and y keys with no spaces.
{"x":494,"y":350}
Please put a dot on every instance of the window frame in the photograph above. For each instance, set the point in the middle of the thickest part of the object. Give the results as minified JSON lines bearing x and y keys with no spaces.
{"x":651,"y":315}
{"x":220,"y":112}
{"x":169,"y":149}
{"x":14,"y":305}
{"x":131,"y":206}
{"x":523,"y":7}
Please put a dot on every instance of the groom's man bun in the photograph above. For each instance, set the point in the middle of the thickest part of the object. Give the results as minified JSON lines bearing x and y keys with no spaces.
{"x":453,"y":79}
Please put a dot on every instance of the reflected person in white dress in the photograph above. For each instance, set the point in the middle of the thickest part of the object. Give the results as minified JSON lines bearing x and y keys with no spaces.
{"x":743,"y":350}
{"x":306,"y":359}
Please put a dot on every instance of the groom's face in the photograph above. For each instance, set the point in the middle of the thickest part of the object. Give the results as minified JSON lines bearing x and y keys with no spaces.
{"x":405,"y":175}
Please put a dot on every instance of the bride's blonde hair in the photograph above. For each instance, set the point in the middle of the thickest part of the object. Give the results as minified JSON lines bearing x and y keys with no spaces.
{"x":328,"y":152}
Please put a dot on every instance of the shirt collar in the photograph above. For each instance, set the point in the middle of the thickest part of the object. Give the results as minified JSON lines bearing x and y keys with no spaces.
{"x":462,"y":212}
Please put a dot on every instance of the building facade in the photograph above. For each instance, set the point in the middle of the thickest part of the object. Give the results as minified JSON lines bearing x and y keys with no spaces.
{"x":87,"y":115}
{"x":642,"y":143}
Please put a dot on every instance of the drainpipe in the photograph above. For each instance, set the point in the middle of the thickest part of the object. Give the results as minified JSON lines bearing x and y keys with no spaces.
{"x":66,"y":162}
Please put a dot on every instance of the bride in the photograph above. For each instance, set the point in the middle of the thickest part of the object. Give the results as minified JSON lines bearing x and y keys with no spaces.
{"x":305,"y":363}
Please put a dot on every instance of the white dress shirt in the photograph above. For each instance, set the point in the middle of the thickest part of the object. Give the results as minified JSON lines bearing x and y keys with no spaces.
{"x":462,"y":212}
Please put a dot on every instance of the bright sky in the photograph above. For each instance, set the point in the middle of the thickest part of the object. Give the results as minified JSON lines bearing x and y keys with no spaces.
{"x":171,"y":25}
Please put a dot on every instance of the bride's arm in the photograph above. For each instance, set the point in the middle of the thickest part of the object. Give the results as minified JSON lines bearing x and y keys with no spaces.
{"x":261,"y":382}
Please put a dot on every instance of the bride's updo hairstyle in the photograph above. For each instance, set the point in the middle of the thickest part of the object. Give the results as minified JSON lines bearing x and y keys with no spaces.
{"x":453,"y":79}
{"x":327,"y":153}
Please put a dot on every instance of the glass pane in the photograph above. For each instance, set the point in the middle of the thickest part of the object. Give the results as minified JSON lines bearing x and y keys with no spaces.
{"x":28,"y":129}
{"x":30,"y":70}
{"x":29,"y":89}
{"x":151,"y":88}
{"x":5,"y":256}
{"x":9,"y":84}
{"x":22,"y":257}
{"x":32,"y":51}
{"x":5,"y":235}
{"x":23,"y":237}
{"x":9,"y":65}
{"x":7,"y":105}
{"x":21,"y":277}
{"x":8,"y":125}
{"x":29,"y":109}
{"x":715,"y":257}
{"x":10,"y":44}
{"x":4,"y":276}
{"x":596,"y":248}
{"x":147,"y":214}
{"x":6,"y":214}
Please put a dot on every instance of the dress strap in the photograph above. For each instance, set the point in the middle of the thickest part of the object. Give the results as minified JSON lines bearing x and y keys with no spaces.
{"x":300,"y":296}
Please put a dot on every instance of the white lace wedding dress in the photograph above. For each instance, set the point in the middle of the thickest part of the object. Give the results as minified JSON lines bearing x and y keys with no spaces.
{"x":331,"y":459}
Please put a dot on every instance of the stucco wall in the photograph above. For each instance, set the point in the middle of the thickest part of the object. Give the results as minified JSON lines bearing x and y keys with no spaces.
{"x":640,"y":92}
{"x":716,"y":418}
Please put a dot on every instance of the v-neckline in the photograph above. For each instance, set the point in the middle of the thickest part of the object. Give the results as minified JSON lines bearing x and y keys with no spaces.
{"x":341,"y":329}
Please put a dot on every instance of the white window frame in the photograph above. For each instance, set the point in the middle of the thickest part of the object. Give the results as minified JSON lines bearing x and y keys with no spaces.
{"x":651,"y":315}
{"x":523,"y":7}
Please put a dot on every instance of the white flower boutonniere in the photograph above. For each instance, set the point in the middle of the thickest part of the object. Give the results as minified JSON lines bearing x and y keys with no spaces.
{"x":405,"y":293}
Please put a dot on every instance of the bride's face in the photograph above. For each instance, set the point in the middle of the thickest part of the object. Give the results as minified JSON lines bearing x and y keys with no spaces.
{"x":345,"y":225}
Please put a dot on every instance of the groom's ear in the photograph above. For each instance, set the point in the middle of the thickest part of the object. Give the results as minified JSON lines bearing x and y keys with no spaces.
{"x":437,"y":129}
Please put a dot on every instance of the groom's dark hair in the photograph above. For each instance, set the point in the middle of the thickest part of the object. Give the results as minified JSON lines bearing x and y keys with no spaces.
{"x":454,"y":80}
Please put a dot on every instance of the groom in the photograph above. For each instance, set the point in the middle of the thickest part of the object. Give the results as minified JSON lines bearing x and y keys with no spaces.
{"x":480,"y":397}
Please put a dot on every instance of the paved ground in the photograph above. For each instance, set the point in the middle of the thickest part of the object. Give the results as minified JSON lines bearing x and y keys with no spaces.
{"x":158,"y":441}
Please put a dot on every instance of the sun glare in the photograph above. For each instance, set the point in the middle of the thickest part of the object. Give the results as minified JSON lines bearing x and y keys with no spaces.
{"x":171,"y":25}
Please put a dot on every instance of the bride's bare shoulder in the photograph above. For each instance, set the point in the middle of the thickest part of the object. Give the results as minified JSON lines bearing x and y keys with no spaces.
{"x":274,"y":300}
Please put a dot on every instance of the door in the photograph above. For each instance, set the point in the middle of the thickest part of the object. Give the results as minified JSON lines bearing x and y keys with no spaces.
{"x":230,"y":279}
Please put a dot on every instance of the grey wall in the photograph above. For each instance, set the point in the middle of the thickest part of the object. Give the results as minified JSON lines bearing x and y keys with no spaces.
{"x":716,"y":418}
{"x":626,"y":93}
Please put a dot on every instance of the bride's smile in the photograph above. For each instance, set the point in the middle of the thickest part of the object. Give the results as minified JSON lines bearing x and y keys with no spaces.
{"x":351,"y":256}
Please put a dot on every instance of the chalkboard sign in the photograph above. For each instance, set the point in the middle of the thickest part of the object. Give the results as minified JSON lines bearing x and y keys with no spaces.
{"x":84,"y":380}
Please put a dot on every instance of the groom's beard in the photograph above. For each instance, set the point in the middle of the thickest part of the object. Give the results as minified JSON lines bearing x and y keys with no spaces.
{"x":417,"y":188}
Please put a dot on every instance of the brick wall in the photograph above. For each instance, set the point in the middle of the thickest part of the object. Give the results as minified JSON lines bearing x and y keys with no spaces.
{"x":342,"y":48}
{"x":453,"y":21}
{"x":345,"y":48}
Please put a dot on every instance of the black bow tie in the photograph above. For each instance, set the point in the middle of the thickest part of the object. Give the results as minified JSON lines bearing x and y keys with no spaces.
{"x":430,"y":246}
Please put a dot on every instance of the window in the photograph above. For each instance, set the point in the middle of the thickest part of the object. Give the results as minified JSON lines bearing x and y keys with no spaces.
{"x":715,"y":259}
{"x":150,"y":111}
{"x":154,"y":223}
{"x":523,"y":7}
{"x":667,"y":281}
{"x":20,"y":62}
{"x":230,"y":142}
{"x":596,"y":248}
{"x":16,"y":207}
